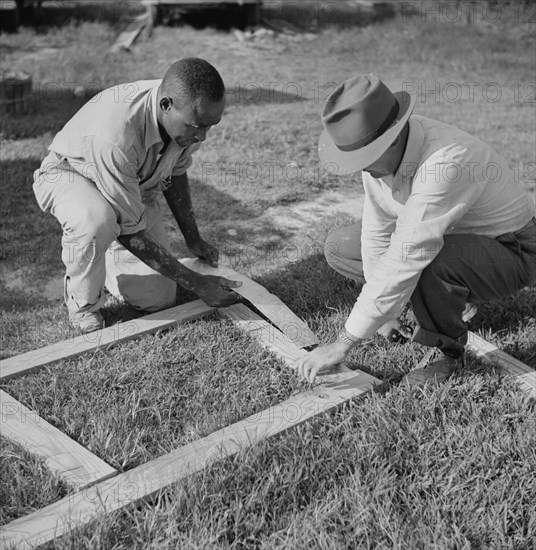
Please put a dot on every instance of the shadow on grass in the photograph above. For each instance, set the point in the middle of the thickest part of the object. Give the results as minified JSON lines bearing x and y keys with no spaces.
{"x":309,"y":286}
{"x":310,"y":283}
{"x":232,"y":224}
{"x":50,"y":106}
{"x":30,"y":245}
{"x":29,"y":237}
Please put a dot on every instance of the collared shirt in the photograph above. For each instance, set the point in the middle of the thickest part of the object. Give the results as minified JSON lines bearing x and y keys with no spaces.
{"x":114,"y":141}
{"x":448,"y":182}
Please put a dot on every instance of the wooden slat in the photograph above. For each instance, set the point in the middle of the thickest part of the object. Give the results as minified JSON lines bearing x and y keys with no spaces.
{"x":145,"y":481}
{"x":524,"y":375}
{"x":72,"y":462}
{"x":268,"y":304}
{"x":269,"y":336}
{"x":67,"y":349}
{"x":126,"y":39}
{"x":274,"y":340}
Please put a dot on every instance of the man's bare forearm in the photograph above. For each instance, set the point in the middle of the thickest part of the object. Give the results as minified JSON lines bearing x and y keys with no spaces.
{"x":159,"y":258}
{"x":180,"y":203}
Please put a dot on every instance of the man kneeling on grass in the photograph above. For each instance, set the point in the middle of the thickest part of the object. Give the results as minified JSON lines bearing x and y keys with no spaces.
{"x":445,"y":224}
{"x":101,"y":181}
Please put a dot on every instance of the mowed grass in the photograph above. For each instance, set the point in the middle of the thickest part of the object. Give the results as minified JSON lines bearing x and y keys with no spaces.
{"x":447,"y":468}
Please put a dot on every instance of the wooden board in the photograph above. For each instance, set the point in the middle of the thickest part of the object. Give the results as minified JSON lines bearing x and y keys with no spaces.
{"x":268,"y":304}
{"x":525,"y":376}
{"x":126,"y":39}
{"x":64,"y":456}
{"x":274,"y":340}
{"x":67,"y":349}
{"x":269,"y":336}
{"x":148,"y":479}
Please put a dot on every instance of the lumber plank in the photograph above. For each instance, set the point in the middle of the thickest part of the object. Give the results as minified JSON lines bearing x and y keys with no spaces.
{"x":269,"y":336}
{"x":71,"y":461}
{"x":126,"y":39}
{"x":524,"y":375}
{"x":67,"y":349}
{"x":267,"y":303}
{"x":148,"y":479}
{"x":273,"y":339}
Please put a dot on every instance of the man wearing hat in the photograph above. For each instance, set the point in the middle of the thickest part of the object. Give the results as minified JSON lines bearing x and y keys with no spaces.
{"x":445,"y":224}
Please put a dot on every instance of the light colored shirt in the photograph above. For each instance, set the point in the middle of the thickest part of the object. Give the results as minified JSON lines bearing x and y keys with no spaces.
{"x":448,"y":182}
{"x":114,"y":141}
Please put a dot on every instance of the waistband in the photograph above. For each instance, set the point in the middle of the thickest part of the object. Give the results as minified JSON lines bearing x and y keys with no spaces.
{"x":530,"y":224}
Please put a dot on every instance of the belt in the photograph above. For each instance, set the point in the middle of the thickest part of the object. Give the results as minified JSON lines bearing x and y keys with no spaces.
{"x":518,"y":232}
{"x":530,"y":223}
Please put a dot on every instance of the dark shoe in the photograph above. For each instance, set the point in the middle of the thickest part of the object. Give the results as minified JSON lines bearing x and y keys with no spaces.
{"x":434,"y":374}
{"x":86,"y":321}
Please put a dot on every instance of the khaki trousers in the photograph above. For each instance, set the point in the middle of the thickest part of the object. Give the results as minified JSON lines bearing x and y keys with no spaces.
{"x":92,"y":256}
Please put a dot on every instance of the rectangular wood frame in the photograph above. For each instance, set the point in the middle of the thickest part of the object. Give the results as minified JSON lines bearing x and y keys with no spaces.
{"x":111,"y":491}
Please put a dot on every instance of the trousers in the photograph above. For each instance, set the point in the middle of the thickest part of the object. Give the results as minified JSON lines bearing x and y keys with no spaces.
{"x":92,"y":256}
{"x":468,"y":268}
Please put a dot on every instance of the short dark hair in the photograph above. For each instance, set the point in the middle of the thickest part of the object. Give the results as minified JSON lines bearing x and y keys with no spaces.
{"x":191,"y":79}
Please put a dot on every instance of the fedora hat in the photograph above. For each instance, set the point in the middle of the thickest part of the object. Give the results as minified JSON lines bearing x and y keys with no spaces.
{"x":361,"y":119}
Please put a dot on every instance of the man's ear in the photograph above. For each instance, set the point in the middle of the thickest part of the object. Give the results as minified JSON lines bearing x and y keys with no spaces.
{"x":166,"y":103}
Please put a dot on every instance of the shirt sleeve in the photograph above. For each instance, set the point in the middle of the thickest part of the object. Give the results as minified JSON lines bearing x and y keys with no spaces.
{"x":435,"y":205}
{"x":377,"y":226}
{"x":115,"y":175}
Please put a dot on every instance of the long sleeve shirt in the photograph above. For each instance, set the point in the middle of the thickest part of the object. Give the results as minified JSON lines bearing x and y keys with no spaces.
{"x":448,"y":182}
{"x":114,"y":141}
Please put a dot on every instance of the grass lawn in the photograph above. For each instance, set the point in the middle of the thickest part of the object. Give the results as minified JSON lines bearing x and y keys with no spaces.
{"x":451,"y":468}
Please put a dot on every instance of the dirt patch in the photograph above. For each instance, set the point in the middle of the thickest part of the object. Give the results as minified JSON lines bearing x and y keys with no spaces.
{"x":298,"y":217}
{"x":23,"y":280}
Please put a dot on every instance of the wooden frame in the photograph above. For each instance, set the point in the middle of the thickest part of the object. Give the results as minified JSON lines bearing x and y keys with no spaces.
{"x":524,"y":375}
{"x":147,"y":480}
{"x":105,"y":338}
{"x":73,"y":463}
{"x":268,"y":304}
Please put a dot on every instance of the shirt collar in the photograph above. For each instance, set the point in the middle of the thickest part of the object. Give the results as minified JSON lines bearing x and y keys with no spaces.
{"x":152,"y":133}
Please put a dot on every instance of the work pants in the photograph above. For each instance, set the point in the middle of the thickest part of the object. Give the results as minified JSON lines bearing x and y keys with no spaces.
{"x":92,"y":256}
{"x":469,"y":268}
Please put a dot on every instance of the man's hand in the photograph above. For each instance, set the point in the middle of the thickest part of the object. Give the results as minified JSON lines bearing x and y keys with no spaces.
{"x":395,"y":331}
{"x":205,"y":251}
{"x":216,"y":291}
{"x":321,"y":359}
